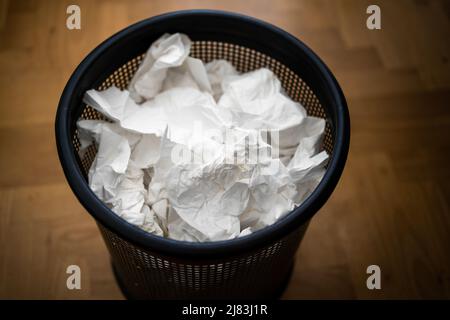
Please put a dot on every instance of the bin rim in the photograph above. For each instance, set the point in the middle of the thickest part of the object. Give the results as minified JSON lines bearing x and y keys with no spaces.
{"x":202,"y":250}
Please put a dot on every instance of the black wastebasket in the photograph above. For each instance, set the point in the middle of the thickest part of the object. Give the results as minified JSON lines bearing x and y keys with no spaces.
{"x":255,"y":266}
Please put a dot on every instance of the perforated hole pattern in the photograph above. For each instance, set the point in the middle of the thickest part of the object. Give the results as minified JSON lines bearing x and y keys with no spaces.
{"x":148,"y":275}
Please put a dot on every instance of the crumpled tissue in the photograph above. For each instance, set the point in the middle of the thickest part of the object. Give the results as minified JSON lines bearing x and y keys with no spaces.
{"x":201,"y":152}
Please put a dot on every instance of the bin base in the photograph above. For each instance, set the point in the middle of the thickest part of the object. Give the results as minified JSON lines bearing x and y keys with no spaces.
{"x":277,"y":293}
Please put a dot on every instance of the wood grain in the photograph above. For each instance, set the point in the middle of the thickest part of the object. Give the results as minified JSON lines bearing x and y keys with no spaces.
{"x":391,"y":207}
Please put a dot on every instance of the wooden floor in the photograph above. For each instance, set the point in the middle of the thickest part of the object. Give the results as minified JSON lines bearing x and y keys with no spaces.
{"x":391,"y":207}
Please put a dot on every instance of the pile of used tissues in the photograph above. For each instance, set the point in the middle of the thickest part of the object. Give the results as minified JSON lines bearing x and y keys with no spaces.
{"x":201,"y":152}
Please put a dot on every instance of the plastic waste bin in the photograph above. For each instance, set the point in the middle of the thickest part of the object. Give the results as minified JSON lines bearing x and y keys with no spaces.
{"x":255,"y":266}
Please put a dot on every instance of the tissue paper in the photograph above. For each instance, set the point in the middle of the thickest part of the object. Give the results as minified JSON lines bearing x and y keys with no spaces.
{"x":201,"y":152}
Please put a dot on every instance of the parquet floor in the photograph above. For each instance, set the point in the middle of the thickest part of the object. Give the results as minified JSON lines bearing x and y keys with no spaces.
{"x":391,"y":207}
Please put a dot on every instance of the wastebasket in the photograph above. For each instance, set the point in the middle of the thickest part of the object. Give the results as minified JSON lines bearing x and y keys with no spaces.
{"x":254,"y":266}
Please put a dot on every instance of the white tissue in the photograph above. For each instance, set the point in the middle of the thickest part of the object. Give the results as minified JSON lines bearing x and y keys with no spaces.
{"x":217,"y":71}
{"x":179,"y":108}
{"x":168,"y":51}
{"x":256,"y":101}
{"x":200,"y":152}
